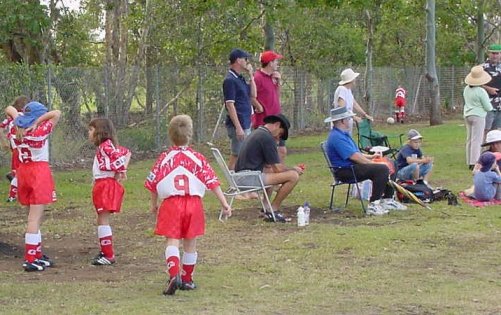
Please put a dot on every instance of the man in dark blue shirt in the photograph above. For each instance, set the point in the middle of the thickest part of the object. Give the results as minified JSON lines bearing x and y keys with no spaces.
{"x":344,"y":154}
{"x":237,"y":98}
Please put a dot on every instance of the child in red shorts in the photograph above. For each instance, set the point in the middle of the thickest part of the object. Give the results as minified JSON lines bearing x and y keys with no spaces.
{"x":10,"y":133}
{"x":109,"y":169}
{"x":178,"y":181}
{"x":400,"y":102}
{"x":35,"y":183}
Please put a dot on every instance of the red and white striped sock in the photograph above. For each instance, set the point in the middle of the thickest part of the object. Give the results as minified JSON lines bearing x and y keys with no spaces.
{"x":189,"y":263}
{"x":106,"y":241}
{"x":172,"y":260}
{"x":30,"y":246}
{"x":13,"y":188}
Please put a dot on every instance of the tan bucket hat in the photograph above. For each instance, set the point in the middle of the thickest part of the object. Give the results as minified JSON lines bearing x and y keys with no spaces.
{"x":347,"y":76}
{"x":477,"y":76}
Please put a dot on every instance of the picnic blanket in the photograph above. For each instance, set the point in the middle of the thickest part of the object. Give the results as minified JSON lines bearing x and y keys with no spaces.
{"x":477,"y":203}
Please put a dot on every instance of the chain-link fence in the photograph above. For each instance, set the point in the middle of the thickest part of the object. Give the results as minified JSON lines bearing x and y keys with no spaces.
{"x":140,"y":102}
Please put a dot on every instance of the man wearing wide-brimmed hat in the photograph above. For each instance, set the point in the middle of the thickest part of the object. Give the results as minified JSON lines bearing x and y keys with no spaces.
{"x":343,"y":97}
{"x":493,"y":66}
{"x":476,"y":107}
{"x":344,"y":154}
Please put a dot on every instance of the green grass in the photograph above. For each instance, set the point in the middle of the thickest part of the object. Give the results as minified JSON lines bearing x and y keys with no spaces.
{"x":439,"y":261}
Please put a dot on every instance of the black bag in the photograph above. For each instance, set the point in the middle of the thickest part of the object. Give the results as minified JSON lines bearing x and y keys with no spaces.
{"x":419,"y":189}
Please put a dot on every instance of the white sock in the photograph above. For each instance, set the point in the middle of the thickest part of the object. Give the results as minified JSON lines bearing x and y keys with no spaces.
{"x":103,"y":231}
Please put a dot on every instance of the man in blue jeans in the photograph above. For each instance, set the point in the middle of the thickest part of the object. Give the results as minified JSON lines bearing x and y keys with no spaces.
{"x":411,"y":163}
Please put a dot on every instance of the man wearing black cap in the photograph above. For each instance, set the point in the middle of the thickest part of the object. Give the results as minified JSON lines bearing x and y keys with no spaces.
{"x":259,"y":153}
{"x":237,"y":98}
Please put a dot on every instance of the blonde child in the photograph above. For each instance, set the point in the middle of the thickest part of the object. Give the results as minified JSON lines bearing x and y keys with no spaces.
{"x":177,"y":184}
{"x":108,"y":170}
{"x":35,"y":182}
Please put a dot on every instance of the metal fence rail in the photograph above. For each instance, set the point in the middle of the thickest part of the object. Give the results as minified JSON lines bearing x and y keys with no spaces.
{"x":144,"y":100}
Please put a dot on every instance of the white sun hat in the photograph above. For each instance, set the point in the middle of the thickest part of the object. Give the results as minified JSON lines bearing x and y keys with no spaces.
{"x":347,"y":76}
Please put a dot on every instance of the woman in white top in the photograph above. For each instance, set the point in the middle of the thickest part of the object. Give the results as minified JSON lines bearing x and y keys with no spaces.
{"x":344,"y":96}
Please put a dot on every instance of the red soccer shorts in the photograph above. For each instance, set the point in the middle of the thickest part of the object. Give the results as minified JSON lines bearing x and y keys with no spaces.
{"x":107,"y":195}
{"x":35,"y":184}
{"x":181,"y":217}
{"x":14,"y":163}
{"x":400,"y":102}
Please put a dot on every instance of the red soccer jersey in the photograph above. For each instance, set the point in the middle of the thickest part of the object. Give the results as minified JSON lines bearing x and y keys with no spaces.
{"x":181,"y":171}
{"x":35,"y":145}
{"x":109,"y":159}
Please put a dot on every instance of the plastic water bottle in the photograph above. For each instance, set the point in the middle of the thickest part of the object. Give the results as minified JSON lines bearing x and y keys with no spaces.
{"x":306,"y":207}
{"x":300,"y":217}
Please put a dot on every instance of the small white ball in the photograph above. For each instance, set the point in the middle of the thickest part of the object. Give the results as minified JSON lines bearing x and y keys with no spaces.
{"x":390,"y":120}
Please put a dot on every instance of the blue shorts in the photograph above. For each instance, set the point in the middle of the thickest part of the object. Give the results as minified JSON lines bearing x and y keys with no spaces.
{"x":493,"y":120}
{"x":406,"y":172}
{"x":235,"y":143}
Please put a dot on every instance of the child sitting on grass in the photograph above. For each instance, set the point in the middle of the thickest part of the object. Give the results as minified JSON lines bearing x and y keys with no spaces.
{"x":177,"y":184}
{"x":487,"y":181}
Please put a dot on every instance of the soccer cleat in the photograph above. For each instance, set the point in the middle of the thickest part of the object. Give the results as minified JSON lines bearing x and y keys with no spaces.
{"x":186,"y":286}
{"x":45,"y":261}
{"x":101,"y":260}
{"x":172,"y":285}
{"x":11,"y":199}
{"x":32,"y":266}
{"x":268,"y":217}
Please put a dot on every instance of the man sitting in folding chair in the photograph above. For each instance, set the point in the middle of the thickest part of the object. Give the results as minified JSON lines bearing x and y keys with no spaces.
{"x":344,"y":153}
{"x":259,"y":153}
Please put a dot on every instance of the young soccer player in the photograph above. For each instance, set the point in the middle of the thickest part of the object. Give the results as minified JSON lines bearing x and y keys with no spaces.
{"x":109,"y":169}
{"x":10,"y":135}
{"x":178,"y":181}
{"x":35,"y":183}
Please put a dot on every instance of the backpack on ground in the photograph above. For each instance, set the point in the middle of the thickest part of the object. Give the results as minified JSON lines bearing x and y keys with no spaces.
{"x":419,"y":189}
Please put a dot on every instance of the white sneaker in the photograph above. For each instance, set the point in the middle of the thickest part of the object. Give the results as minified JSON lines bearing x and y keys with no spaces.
{"x":392,"y":204}
{"x":375,"y":208}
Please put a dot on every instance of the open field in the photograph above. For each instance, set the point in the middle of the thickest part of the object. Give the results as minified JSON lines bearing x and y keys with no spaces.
{"x":440,"y":261}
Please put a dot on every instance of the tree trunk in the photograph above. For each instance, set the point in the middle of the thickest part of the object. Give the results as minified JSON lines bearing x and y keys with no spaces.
{"x":431,"y":70}
{"x":369,"y":72}
{"x":480,"y":32}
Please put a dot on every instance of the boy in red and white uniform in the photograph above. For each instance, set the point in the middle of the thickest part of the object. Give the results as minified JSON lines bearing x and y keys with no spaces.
{"x":35,"y":182}
{"x":10,"y":133}
{"x":109,"y":170}
{"x":178,"y":181}
{"x":400,"y":102}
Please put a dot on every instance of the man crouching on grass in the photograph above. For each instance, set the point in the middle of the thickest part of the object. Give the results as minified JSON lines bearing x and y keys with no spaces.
{"x":259,"y":152}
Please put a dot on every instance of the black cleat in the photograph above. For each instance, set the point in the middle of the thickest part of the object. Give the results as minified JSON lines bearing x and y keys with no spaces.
{"x":101,"y":260}
{"x":33,"y":266}
{"x":186,"y":286}
{"x":45,"y":261}
{"x":172,"y":285}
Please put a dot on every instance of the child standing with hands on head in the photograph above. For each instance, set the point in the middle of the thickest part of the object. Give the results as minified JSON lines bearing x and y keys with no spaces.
{"x":109,"y":170}
{"x":178,"y":182}
{"x":35,"y":182}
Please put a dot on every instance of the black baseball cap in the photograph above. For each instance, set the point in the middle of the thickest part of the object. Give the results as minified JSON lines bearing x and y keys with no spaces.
{"x":284,"y":123}
{"x":238,"y":53}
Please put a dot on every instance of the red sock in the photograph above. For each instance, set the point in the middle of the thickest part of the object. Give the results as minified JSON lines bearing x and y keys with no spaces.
{"x":30,"y":247}
{"x":189,"y":263}
{"x":12,"y":191}
{"x":105,"y":236}
{"x":186,"y":274}
{"x":107,"y":246}
{"x":172,"y":260}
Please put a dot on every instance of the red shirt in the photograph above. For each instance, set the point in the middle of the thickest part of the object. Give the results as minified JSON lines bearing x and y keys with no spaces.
{"x":181,"y":171}
{"x":109,"y":159}
{"x":268,"y":95}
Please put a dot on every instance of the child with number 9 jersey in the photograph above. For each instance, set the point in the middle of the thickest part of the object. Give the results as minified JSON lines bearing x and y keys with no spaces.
{"x":178,"y":182}
{"x":109,"y":170}
{"x":35,"y":182}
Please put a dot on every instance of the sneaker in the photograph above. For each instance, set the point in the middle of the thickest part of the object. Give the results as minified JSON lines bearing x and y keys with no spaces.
{"x":186,"y":286}
{"x":45,"y":261}
{"x":172,"y":285}
{"x":375,"y":208}
{"x":11,"y":199}
{"x":392,"y":204}
{"x":33,"y":266}
{"x":268,"y":217}
{"x":101,"y":260}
